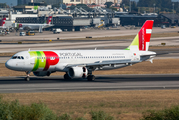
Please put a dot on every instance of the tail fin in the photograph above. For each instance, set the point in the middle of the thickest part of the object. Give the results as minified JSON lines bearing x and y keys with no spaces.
{"x":19,"y":25}
{"x":142,"y":39}
{"x":49,"y":19}
{"x":3,"y":21}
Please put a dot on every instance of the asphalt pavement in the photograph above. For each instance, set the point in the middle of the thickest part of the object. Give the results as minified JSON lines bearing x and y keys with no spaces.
{"x":102,"y":83}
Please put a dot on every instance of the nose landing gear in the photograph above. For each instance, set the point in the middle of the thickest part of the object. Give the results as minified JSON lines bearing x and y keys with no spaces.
{"x":27,"y":78}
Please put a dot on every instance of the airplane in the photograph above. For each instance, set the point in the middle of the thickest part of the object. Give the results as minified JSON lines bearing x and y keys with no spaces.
{"x":2,"y":24}
{"x":81,"y":63}
{"x":35,"y":26}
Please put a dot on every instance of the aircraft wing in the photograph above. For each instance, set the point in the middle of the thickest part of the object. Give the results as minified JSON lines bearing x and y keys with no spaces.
{"x":103,"y":63}
{"x":46,"y":26}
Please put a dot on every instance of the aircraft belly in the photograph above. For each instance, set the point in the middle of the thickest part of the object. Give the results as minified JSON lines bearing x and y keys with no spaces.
{"x":111,"y":67}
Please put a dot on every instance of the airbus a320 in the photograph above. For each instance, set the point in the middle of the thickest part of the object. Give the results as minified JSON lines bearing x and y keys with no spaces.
{"x":81,"y":63}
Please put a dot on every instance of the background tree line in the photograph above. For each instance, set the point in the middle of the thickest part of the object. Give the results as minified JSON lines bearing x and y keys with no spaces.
{"x":160,"y":5}
{"x":3,"y":5}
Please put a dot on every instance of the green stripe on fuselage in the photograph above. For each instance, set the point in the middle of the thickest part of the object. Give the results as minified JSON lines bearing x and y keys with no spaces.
{"x":42,"y":61}
{"x":39,"y":59}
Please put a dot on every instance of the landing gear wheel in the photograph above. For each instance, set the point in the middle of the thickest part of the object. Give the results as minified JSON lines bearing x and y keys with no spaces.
{"x":66,"y":77}
{"x":91,"y":78}
{"x":27,"y":79}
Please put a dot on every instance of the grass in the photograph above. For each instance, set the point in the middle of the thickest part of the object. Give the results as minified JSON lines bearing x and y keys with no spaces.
{"x":166,"y":114}
{"x":123,"y":105}
{"x":7,"y":54}
{"x":159,"y":66}
{"x":13,"y":110}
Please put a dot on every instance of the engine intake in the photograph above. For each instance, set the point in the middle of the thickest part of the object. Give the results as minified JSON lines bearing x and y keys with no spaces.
{"x":78,"y":72}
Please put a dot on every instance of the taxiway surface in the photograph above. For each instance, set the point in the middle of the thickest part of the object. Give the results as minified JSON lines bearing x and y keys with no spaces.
{"x":48,"y":35}
{"x":102,"y":83}
{"x":113,"y":44}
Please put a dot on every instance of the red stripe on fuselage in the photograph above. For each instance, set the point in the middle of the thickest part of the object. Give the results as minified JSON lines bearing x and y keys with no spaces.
{"x":51,"y":59}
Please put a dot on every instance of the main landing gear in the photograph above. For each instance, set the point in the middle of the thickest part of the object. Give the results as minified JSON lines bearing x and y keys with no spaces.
{"x":67,"y":77}
{"x":27,"y":78}
{"x":91,"y":77}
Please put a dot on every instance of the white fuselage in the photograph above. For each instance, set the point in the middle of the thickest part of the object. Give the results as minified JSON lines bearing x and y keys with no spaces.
{"x":34,"y":26}
{"x":60,"y":60}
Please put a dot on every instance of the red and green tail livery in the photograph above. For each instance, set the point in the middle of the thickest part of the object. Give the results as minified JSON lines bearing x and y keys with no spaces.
{"x":142,"y":39}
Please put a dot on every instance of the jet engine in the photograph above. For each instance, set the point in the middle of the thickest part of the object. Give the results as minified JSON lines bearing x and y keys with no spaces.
{"x":42,"y":73}
{"x":78,"y":72}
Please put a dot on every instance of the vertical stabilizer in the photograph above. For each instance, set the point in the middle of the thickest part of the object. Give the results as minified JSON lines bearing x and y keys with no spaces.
{"x":142,"y":39}
{"x":3,"y":21}
{"x":49,"y":19}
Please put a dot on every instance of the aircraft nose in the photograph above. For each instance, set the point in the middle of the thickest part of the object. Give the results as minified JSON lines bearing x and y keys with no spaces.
{"x":9,"y":64}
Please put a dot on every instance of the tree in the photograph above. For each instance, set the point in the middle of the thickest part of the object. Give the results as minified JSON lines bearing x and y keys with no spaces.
{"x":167,"y":4}
{"x":84,"y":6}
{"x":55,"y":6}
{"x":3,"y":5}
{"x":134,"y":6}
{"x":108,"y":4}
{"x":126,"y":2}
{"x":72,"y":7}
{"x":146,"y":3}
{"x":177,"y":10}
{"x":81,"y":5}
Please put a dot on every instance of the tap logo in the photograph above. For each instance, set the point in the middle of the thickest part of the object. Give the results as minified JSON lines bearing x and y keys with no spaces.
{"x":43,"y":59}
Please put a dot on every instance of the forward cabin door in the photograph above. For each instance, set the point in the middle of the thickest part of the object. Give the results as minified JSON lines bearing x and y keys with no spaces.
{"x":32,"y":60}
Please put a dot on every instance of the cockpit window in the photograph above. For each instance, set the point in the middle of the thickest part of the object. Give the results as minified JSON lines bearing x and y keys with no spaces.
{"x":17,"y":57}
{"x":14,"y":57}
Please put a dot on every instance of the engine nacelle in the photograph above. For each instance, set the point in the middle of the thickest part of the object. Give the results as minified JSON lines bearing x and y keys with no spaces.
{"x":42,"y":73}
{"x":78,"y":72}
